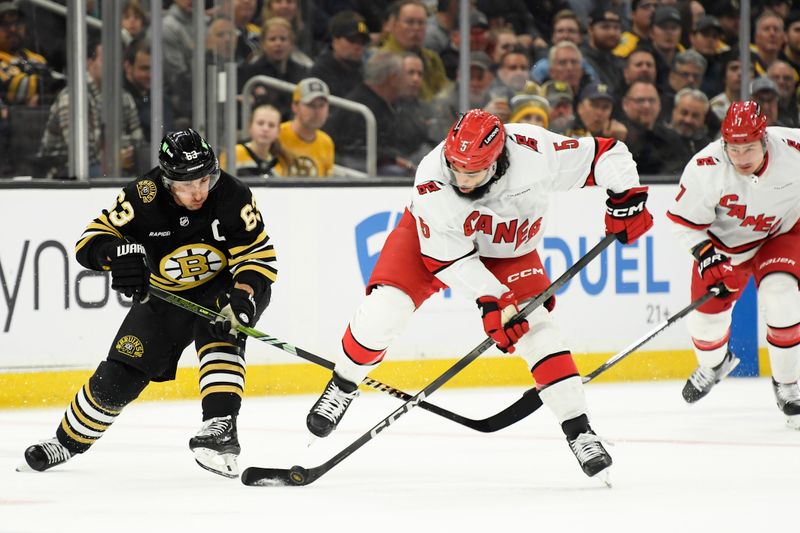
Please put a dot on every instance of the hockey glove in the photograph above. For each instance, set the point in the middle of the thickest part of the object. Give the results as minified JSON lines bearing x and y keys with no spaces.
{"x":626,"y":215}
{"x":715,"y":268}
{"x":496,"y":315}
{"x":239,"y":311}
{"x":129,"y":272}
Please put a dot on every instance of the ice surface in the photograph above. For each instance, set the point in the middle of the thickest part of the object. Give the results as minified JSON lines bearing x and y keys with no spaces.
{"x":727,"y":463}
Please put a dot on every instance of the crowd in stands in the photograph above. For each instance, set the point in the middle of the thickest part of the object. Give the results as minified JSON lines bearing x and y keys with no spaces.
{"x":658,"y":75}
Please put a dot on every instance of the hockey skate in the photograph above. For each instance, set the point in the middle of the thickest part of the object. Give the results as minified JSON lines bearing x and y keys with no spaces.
{"x":45,"y":455}
{"x":330,"y":407}
{"x":787,"y":396}
{"x":591,"y":455}
{"x":216,"y":446}
{"x":704,"y":378}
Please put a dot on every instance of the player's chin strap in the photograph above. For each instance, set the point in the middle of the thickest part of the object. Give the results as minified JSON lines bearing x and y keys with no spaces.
{"x":524,"y":406}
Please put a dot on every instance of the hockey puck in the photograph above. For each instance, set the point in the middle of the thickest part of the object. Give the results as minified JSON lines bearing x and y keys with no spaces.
{"x":298,"y":475}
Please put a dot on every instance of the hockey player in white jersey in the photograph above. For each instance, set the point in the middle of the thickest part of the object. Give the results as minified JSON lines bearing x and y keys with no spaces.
{"x":737,"y":211}
{"x":477,"y":215}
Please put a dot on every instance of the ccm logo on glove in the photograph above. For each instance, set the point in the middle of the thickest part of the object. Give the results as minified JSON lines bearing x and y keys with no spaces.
{"x":627,"y":216}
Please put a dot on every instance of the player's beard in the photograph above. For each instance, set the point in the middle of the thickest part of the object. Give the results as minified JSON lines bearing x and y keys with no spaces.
{"x":478,"y":192}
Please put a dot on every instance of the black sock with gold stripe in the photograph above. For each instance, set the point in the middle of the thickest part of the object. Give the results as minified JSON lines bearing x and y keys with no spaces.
{"x":222,"y":371}
{"x":97,"y":404}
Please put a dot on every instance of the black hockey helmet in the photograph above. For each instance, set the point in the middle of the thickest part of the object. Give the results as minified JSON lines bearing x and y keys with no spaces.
{"x":186,"y":156}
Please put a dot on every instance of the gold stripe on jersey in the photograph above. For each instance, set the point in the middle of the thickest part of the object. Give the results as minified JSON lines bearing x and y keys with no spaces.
{"x":222,"y":369}
{"x":267,"y":272}
{"x":237,"y":250}
{"x":99,"y":226}
{"x":85,"y":419}
{"x":264,"y":254}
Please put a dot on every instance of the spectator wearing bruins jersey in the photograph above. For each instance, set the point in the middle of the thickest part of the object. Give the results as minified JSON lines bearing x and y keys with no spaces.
{"x":263,"y":155}
{"x":185,"y":227}
{"x":312,"y":148}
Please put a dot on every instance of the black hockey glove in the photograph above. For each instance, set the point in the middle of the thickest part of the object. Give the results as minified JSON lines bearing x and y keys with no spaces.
{"x":240,"y":311}
{"x":129,"y":272}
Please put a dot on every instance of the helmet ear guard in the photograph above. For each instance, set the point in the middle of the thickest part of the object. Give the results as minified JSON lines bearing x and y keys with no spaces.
{"x":185,"y":156}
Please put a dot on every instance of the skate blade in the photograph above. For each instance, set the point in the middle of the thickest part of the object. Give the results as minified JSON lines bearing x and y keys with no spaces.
{"x":223,"y":464}
{"x":311,"y":440}
{"x":604,"y":476}
{"x":24,"y":467}
{"x":793,"y":422}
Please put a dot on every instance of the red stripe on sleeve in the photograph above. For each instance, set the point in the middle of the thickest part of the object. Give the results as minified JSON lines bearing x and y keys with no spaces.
{"x":683,"y":222}
{"x":601,"y":146}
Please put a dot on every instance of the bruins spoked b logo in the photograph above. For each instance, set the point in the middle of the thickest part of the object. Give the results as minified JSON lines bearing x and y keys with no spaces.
{"x":191,"y":265}
{"x":130,"y":346}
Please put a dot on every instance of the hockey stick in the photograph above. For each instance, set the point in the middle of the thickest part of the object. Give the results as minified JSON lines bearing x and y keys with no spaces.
{"x":713,"y":291}
{"x":518,"y":410}
{"x":297,"y":475}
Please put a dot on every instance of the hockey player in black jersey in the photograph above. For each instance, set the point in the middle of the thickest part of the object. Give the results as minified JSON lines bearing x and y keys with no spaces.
{"x":186,"y":227}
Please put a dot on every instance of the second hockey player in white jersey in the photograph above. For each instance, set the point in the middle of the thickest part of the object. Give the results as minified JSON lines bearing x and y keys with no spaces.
{"x":737,"y":211}
{"x":478,"y":213}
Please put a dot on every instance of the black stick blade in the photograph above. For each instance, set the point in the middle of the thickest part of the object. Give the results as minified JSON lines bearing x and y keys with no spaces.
{"x":277,"y":477}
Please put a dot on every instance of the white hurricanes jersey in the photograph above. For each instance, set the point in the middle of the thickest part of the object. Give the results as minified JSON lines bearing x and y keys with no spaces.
{"x":738,"y":213}
{"x":509,"y":219}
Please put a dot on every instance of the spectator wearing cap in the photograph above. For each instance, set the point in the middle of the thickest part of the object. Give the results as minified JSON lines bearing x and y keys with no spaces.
{"x":23,"y":73}
{"x":641,"y":24}
{"x":706,"y":40}
{"x":791,"y":52}
{"x":530,"y":109}
{"x":479,"y":95}
{"x":727,"y":12}
{"x":639,"y":65}
{"x":340,"y":65}
{"x":312,"y":148}
{"x":666,"y":37}
{"x":478,"y":41}
{"x":605,"y":27}
{"x":561,"y":99}
{"x":764,"y":92}
{"x":444,"y":22}
{"x":416,"y":120}
{"x":407,"y":34}
{"x":277,"y":43}
{"x":783,"y":75}
{"x":768,"y":41}
{"x":593,"y":118}
{"x":688,"y":120}
{"x":566,"y":65}
{"x":655,"y":148}
{"x":732,"y":81}
{"x":687,"y":70}
{"x":382,"y":85}
{"x":566,"y":27}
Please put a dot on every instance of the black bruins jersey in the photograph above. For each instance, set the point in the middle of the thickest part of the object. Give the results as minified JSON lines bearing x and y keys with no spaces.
{"x":186,"y":249}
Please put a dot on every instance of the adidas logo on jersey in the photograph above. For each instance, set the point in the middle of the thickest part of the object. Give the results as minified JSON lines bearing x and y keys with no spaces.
{"x":160,"y":233}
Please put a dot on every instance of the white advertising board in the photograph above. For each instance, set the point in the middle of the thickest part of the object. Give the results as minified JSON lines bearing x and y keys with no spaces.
{"x":53,"y":313}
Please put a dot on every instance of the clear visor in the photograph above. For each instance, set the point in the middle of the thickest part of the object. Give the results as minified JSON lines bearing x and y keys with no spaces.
{"x":207,"y":182}
{"x":464,"y":179}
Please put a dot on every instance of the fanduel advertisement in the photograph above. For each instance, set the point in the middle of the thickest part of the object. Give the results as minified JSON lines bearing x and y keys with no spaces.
{"x":54,"y":313}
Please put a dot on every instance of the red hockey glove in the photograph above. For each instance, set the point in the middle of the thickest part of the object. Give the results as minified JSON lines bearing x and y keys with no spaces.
{"x":496,"y":315}
{"x":129,"y":272}
{"x":626,"y":215}
{"x":715,"y":268}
